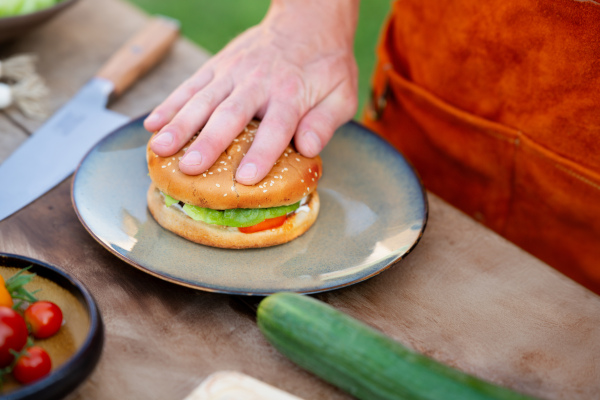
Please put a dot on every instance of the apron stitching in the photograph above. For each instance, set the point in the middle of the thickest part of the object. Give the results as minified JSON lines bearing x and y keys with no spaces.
{"x":578,"y":176}
{"x":513,"y":179}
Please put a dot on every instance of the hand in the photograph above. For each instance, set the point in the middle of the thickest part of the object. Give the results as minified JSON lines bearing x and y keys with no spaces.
{"x":295,"y":71}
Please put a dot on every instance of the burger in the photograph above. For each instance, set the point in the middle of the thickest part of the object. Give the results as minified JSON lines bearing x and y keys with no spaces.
{"x":214,"y":210}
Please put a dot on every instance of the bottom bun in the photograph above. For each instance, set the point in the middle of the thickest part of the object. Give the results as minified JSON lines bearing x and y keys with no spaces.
{"x":176,"y":221}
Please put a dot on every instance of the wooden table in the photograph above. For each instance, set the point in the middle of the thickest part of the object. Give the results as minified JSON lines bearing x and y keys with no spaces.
{"x":464,"y":296}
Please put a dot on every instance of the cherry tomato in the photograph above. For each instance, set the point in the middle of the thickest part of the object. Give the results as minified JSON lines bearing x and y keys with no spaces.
{"x":32,"y":366}
{"x":44,"y":319}
{"x":13,"y":334}
{"x":266,"y":224}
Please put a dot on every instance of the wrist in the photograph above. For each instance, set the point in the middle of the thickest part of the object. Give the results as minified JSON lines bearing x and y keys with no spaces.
{"x":334,"y":20}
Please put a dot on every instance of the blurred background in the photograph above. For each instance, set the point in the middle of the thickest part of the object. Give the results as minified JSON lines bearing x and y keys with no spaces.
{"x":211,"y":24}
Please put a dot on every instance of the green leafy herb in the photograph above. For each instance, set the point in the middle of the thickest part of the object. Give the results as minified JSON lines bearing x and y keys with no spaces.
{"x":15,"y":286}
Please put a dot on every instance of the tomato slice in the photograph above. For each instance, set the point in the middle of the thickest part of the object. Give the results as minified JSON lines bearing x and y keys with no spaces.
{"x":266,"y":224}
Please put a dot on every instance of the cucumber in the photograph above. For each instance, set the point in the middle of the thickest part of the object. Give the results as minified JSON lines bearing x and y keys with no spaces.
{"x":360,"y":360}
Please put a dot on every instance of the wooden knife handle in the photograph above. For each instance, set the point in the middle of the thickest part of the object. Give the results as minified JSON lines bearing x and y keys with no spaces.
{"x":140,"y":53}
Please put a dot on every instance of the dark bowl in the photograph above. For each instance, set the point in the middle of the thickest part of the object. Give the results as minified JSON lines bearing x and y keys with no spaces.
{"x":13,"y":27}
{"x":76,"y":367}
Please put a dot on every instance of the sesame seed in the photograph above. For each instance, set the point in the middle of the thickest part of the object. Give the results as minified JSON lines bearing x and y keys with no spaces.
{"x":301,"y":180}
{"x":222,"y":162}
{"x":236,"y":140}
{"x":280,"y":176}
{"x":185,"y":148}
{"x":164,"y":166}
{"x":297,"y":159}
{"x":265,"y":191}
{"x":179,"y":158}
{"x":204,"y":175}
{"x":285,"y":169}
{"x":316,"y":174}
{"x":210,"y":173}
{"x":286,"y":154}
{"x":308,"y":189}
{"x":169,"y":163}
{"x":233,"y":188}
{"x":252,"y":139}
{"x":225,"y":169}
{"x":313,"y":179}
{"x":217,"y":185}
{"x":245,"y":129}
{"x":272,"y":182}
{"x":224,"y":194}
{"x":173,"y":171}
{"x":219,"y":169}
{"x":309,"y":170}
{"x":173,"y":158}
{"x":229,"y":158}
{"x":156,"y":155}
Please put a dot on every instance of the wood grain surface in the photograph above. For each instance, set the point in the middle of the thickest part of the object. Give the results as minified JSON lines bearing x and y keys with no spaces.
{"x":464,"y":296}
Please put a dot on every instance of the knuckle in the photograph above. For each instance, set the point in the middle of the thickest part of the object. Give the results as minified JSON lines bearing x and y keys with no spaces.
{"x":278,"y":126}
{"x":352,"y":106}
{"x":292,"y":85}
{"x":207,"y":97}
{"x":260,"y":73}
{"x":232,"y":107}
{"x":189,"y":87}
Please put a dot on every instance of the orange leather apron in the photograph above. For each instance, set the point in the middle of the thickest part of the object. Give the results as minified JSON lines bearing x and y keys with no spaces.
{"x":497,"y":105}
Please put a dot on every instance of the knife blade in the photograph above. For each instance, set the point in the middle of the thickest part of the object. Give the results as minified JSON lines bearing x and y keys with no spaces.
{"x":55,"y":149}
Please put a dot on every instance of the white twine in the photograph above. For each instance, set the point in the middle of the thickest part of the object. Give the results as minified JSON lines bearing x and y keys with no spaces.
{"x":18,"y":67}
{"x":28,"y":95}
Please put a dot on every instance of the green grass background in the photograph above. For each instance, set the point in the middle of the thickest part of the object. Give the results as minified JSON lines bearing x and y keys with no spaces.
{"x":213,"y":23}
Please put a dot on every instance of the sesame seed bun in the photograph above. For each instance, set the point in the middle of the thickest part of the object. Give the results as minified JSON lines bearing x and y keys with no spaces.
{"x":176,"y":221}
{"x":293,"y":177}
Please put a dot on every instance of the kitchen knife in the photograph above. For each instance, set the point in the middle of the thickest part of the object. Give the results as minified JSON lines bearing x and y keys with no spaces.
{"x":54,"y":151}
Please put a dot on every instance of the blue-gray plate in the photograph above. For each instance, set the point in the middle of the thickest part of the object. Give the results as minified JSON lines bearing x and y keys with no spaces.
{"x":373,"y":212}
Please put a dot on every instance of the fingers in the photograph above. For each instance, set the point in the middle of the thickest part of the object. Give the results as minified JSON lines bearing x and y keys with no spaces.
{"x":274,"y":134}
{"x":225,"y":124}
{"x":318,"y":125}
{"x":190,"y":118}
{"x":165,"y":111}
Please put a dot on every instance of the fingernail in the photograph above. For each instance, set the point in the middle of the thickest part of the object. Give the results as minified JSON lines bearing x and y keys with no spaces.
{"x":192,"y":158}
{"x":313,"y":142}
{"x":248,"y":171}
{"x":152,"y":119}
{"x":163,"y":139}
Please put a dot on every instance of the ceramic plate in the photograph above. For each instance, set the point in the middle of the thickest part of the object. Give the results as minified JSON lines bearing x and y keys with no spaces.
{"x":373,"y":212}
{"x":76,"y":348}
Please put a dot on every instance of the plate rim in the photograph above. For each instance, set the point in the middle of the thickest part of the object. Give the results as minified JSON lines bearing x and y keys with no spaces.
{"x":394,"y":261}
